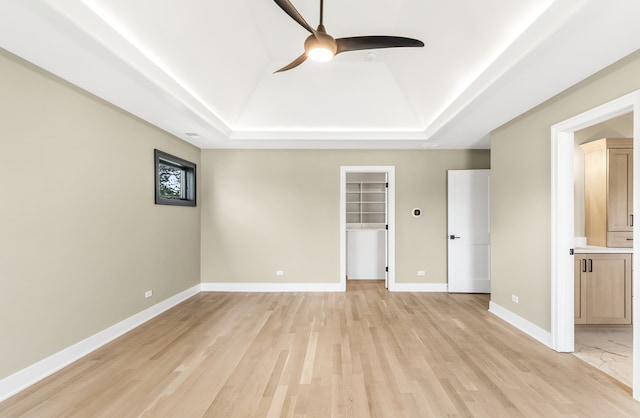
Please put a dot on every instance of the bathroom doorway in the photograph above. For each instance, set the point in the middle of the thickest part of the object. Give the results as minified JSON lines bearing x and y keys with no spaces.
{"x":562,"y":222}
{"x":603,"y":334}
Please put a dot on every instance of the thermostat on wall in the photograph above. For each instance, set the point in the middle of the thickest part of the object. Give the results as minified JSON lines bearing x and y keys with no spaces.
{"x":417,"y":212}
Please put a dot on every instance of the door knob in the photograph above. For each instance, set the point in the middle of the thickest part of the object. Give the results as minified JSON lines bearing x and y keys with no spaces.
{"x":453,"y":237}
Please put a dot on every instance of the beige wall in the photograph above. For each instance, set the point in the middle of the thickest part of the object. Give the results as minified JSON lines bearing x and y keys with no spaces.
{"x":520,"y":191}
{"x":82,"y":239}
{"x":264,"y":211}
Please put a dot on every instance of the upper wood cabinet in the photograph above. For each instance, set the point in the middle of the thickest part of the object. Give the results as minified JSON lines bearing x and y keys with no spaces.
{"x":608,"y":183}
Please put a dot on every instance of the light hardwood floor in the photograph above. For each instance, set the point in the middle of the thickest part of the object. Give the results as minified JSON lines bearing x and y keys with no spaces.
{"x":363,"y":353}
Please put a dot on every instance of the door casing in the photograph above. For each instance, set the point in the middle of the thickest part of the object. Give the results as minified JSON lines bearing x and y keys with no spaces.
{"x":391,"y":220}
{"x":562,"y":223}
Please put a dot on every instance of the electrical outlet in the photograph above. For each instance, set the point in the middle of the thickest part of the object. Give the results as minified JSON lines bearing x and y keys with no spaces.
{"x":420,"y":272}
{"x":514,"y":299}
{"x":148,"y":294}
{"x":279,"y":272}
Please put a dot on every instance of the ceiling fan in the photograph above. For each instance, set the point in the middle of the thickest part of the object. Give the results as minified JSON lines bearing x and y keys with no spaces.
{"x":320,"y":46}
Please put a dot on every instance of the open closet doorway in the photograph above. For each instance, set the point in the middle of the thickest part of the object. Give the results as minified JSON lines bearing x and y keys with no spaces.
{"x":367,"y":224}
{"x":563,"y":239}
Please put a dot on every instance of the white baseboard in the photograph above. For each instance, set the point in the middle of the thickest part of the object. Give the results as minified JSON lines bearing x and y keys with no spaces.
{"x":529,"y":328}
{"x":272,"y":287}
{"x":313,"y":287}
{"x":419,"y":287}
{"x":24,"y":378}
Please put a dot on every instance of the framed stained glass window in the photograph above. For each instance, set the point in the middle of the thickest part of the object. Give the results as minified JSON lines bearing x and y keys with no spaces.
{"x":175,"y":180}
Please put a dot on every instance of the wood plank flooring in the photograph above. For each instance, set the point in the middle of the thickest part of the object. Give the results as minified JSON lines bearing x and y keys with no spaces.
{"x":363,"y":353}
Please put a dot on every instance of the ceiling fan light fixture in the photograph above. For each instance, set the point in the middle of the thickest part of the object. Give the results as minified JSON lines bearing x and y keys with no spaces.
{"x":320,"y":54}
{"x":320,"y":47}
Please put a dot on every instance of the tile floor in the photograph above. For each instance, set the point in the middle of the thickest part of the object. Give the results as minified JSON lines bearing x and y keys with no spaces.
{"x":608,"y":348}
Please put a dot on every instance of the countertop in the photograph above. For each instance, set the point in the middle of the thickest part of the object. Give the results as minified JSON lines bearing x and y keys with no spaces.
{"x":602,"y":250}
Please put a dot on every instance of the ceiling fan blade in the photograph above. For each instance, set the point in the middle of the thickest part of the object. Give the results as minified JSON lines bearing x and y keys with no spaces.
{"x":375,"y":42}
{"x":302,"y":58}
{"x":295,"y":15}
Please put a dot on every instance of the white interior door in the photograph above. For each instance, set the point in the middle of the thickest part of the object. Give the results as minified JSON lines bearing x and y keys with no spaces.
{"x":469,"y":231}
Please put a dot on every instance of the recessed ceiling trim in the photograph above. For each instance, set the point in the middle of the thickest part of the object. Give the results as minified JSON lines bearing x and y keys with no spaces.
{"x":551,"y":20}
{"x":96,"y":24}
{"x":356,"y":135}
{"x":323,"y":144}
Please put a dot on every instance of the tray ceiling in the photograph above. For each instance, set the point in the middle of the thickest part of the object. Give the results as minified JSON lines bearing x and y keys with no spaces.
{"x":203,"y":70}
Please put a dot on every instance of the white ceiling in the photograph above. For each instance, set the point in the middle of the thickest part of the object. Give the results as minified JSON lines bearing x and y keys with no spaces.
{"x":206,"y":66}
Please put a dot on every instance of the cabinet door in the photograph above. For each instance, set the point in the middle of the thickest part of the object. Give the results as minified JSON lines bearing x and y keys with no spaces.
{"x":595,"y":194}
{"x":366,"y":258}
{"x":580,"y":289}
{"x":620,"y":190}
{"x":608,"y":286}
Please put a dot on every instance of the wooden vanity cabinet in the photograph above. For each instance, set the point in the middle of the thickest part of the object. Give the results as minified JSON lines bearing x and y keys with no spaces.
{"x":602,"y":288}
{"x":580,"y":289}
{"x":608,"y":183}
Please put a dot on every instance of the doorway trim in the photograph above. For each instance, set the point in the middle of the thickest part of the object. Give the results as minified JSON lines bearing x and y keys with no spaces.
{"x":391,"y":220}
{"x":562,"y":223}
